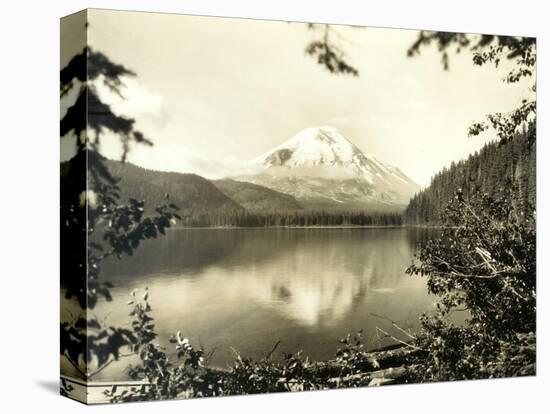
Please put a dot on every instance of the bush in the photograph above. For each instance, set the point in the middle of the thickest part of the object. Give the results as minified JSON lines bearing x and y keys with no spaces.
{"x":484,"y":264}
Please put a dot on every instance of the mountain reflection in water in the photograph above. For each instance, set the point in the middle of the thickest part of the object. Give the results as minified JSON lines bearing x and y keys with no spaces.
{"x":248,"y":288}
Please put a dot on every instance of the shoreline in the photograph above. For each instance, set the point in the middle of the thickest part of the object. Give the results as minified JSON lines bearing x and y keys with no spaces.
{"x":351,"y":226}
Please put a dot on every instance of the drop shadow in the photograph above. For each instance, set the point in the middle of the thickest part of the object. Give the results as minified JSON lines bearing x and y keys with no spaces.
{"x":50,"y":386}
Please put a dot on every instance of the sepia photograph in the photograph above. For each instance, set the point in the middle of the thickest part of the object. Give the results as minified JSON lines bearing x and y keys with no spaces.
{"x":259,"y":206}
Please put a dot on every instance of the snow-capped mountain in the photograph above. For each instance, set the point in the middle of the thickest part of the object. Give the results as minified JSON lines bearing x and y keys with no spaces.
{"x":320,"y":166}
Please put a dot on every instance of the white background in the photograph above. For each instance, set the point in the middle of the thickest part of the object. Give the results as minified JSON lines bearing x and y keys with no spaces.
{"x":29,"y":240}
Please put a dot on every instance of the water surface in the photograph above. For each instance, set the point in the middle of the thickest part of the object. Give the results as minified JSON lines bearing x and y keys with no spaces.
{"x":249,"y":288}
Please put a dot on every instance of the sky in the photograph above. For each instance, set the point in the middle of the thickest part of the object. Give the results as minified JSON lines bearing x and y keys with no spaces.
{"x":212,"y":93}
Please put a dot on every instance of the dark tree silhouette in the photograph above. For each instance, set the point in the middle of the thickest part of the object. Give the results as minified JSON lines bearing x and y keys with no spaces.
{"x":95,"y":223}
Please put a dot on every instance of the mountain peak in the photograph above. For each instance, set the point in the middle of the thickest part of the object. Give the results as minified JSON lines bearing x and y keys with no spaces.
{"x":325,"y":133}
{"x":316,"y":132}
{"x":324,"y":153}
{"x":323,"y":145}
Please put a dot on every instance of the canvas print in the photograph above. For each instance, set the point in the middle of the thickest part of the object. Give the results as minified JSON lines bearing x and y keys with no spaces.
{"x":255,"y":206}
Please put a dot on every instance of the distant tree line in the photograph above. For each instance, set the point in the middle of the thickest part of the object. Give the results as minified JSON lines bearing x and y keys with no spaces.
{"x":503,"y":168}
{"x":295,"y":218}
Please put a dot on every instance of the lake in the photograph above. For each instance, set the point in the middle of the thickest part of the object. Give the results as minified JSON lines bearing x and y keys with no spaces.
{"x":249,"y":288}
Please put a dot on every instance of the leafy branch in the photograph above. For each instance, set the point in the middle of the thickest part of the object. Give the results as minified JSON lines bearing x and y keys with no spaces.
{"x":490,"y":49}
{"x":328,"y":54}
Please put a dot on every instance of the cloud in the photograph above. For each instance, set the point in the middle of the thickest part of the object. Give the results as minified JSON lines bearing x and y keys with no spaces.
{"x":177,"y":158}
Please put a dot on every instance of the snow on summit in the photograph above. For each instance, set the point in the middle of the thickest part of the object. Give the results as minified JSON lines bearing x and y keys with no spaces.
{"x":313,"y":146}
{"x":321,"y":163}
{"x":324,"y":146}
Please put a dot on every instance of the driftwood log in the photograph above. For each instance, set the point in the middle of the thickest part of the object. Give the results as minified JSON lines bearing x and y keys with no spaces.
{"x":387,"y":366}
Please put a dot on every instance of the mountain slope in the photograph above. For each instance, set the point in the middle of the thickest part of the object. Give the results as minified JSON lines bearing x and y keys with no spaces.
{"x":192,"y":193}
{"x":255,"y":198}
{"x":321,"y":166}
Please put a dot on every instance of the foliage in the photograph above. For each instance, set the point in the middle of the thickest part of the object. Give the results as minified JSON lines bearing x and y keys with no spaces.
{"x":187,"y":374}
{"x":165,"y":379}
{"x":496,"y":169}
{"x":484,"y":267}
{"x":491,"y":49}
{"x":95,"y":223}
{"x":328,"y":54}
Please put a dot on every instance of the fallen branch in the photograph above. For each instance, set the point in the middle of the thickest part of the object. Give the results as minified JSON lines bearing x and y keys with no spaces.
{"x":395,"y":325}
{"x":273,"y":350}
{"x":387,"y":335}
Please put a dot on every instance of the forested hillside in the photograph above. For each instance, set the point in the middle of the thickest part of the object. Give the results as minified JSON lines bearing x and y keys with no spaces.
{"x":499,"y":168}
{"x":204,"y":203}
{"x":193,"y":194}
